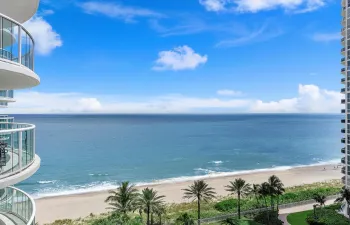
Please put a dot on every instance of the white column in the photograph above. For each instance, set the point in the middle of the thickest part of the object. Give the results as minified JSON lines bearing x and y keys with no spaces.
{"x":19,"y":45}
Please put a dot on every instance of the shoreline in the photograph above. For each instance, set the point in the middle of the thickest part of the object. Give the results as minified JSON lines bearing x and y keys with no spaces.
{"x":183,"y":179}
{"x":78,"y":205}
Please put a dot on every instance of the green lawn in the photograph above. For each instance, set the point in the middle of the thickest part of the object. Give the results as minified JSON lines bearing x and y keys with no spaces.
{"x":298,"y":218}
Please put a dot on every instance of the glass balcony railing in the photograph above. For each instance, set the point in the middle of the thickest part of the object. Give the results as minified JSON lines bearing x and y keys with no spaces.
{"x":342,"y":50}
{"x":342,"y":70}
{"x":6,"y":94}
{"x":343,"y":170}
{"x":343,"y":39}
{"x":3,"y":104}
{"x":16,"y":43}
{"x":342,"y":90}
{"x":343,"y":150}
{"x":342,"y":101}
{"x":343,"y":130}
{"x":342,"y":59}
{"x":15,"y":202}
{"x":17,"y":147}
{"x":342,"y":81}
{"x":341,"y":111}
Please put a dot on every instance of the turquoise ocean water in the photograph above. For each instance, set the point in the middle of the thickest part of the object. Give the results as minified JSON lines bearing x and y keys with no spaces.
{"x":83,"y":153}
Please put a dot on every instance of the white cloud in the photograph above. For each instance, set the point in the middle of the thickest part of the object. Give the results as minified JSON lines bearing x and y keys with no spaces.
{"x":293,"y":6}
{"x":326,"y":37}
{"x":264,"y":33}
{"x":46,"y":39}
{"x":310,"y":99}
{"x":47,"y":12}
{"x":115,"y":10}
{"x":227,"y":92}
{"x":213,"y":5}
{"x":181,"y":58}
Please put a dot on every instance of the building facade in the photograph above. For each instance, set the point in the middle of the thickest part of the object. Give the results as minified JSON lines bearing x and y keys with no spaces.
{"x":18,"y":160}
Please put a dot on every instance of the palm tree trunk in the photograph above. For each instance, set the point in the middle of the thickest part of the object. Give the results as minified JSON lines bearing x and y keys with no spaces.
{"x":160,"y":219}
{"x":278,"y":201}
{"x":199,"y":210}
{"x":148,"y":215}
{"x":239,"y":205}
{"x":151,"y":218}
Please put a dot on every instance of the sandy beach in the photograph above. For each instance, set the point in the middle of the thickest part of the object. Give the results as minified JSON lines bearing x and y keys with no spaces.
{"x":81,"y":205}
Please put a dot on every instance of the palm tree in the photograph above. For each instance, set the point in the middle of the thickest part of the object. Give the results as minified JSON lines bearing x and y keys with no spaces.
{"x":279,"y":191}
{"x":199,"y":191}
{"x":255,"y":191}
{"x":264,"y":192}
{"x":320,"y":199}
{"x":123,"y":199}
{"x":185,"y":219}
{"x":274,"y":184}
{"x":344,"y":195}
{"x":241,"y":188}
{"x":149,"y":201}
{"x":160,"y":210}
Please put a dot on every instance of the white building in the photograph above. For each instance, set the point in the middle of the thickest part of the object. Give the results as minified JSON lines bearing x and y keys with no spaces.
{"x":18,"y":160}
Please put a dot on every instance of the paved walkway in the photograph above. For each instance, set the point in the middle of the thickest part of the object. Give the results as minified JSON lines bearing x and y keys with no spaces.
{"x":283,"y":217}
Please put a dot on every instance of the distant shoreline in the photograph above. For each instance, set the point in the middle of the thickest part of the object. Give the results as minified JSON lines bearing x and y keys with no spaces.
{"x":82,"y":204}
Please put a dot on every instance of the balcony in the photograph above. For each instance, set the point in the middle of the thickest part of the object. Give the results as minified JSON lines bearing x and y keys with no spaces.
{"x":343,"y":140}
{"x":16,"y":207}
{"x":343,"y":130}
{"x":16,"y":56}
{"x":342,"y":51}
{"x":343,"y":60}
{"x":342,"y":101}
{"x":343,"y":70}
{"x":7,"y":96}
{"x":343,"y":160}
{"x":17,"y":153}
{"x":343,"y":150}
{"x":342,"y":90}
{"x":343,"y":11}
{"x":343,"y":41}
{"x":342,"y":111}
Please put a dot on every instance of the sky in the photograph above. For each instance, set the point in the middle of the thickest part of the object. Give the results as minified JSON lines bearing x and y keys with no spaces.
{"x":185,"y":56}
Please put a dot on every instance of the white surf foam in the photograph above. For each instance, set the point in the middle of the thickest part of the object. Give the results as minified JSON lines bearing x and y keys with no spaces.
{"x":103,"y":186}
{"x":47,"y":181}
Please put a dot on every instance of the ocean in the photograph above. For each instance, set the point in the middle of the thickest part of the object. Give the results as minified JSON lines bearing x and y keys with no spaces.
{"x":84,"y":153}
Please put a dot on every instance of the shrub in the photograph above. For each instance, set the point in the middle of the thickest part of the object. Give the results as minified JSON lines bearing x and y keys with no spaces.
{"x":268,"y":217}
{"x":327,"y":216}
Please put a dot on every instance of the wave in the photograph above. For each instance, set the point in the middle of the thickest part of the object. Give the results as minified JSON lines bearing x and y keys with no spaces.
{"x":217,"y":162}
{"x":107,"y":185}
{"x":98,"y":174}
{"x":47,"y":181}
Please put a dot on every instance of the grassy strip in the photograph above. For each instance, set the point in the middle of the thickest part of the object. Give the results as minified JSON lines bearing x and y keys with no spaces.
{"x":298,"y":218}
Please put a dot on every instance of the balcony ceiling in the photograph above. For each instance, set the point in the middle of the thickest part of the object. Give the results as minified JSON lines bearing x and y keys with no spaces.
{"x":19,"y":10}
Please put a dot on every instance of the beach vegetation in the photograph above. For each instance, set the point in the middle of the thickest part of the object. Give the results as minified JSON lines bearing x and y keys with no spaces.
{"x":270,"y":219}
{"x":150,"y":203}
{"x":240,"y":188}
{"x":320,"y":199}
{"x":124,"y":199}
{"x":184,"y":219}
{"x":199,"y":191}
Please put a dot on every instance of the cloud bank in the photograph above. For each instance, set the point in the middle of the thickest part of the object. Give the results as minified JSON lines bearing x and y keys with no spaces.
{"x":310,"y":99}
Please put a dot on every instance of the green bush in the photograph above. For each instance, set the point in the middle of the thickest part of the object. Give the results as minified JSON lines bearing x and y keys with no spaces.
{"x":268,"y":217}
{"x":327,"y":216}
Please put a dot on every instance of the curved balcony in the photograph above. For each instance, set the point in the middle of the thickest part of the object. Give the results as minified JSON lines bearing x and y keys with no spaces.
{"x":342,"y":60}
{"x":19,"y":10}
{"x":16,"y":56}
{"x":342,"y":101}
{"x":17,"y":153}
{"x":16,"y":207}
{"x":343,"y":130}
{"x":342,"y":90}
{"x":7,"y":96}
{"x":343,"y":160}
{"x":342,"y":51}
{"x":343,"y":41}
{"x":342,"y":111}
{"x":343,"y":150}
